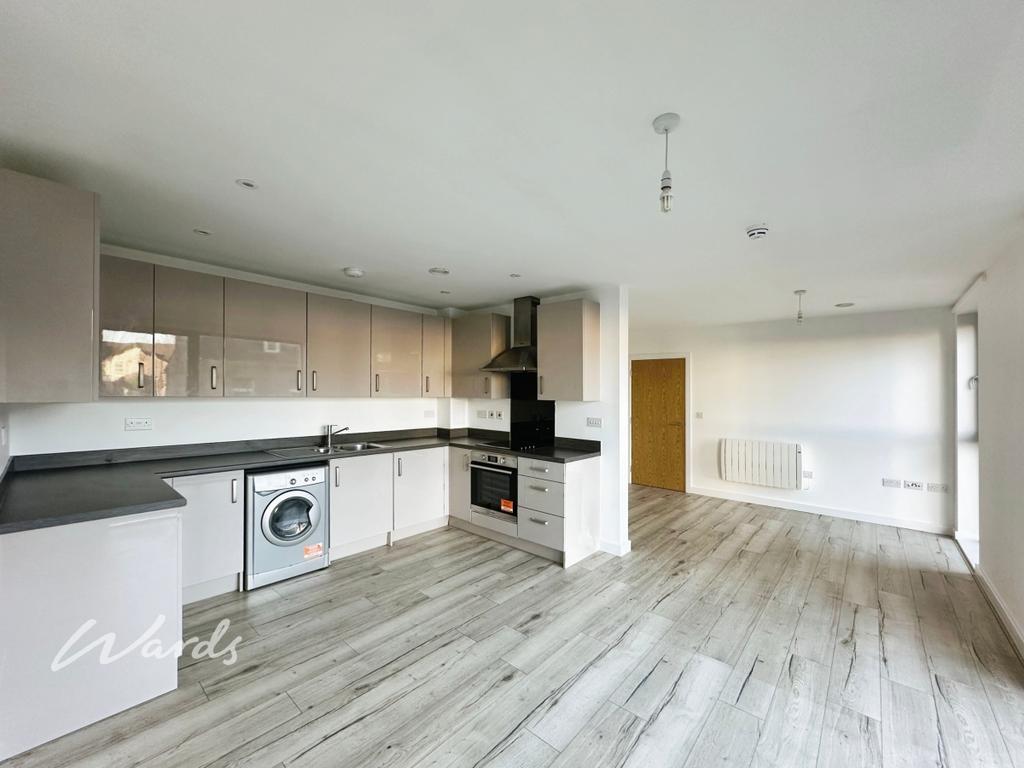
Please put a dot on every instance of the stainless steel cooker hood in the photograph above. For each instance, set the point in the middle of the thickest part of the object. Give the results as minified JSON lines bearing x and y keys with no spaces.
{"x":522,"y":355}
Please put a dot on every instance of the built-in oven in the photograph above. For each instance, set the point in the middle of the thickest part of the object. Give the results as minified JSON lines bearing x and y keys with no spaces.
{"x":493,"y":484}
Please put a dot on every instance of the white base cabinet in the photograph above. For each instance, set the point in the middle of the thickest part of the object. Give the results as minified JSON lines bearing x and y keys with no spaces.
{"x":361,"y":501}
{"x":558,"y":510}
{"x":459,"y":483}
{"x":213,"y":528}
{"x":120,"y":576}
{"x":420,"y":487}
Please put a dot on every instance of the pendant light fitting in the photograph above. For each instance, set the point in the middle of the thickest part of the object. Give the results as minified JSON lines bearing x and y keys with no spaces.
{"x":800,"y":305}
{"x":665,"y":124}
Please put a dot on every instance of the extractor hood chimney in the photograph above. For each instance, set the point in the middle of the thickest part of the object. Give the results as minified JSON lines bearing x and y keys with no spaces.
{"x":522,"y":355}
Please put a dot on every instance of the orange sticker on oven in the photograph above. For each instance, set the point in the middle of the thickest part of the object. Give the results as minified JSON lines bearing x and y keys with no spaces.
{"x":507,"y":505}
{"x":313,"y":550}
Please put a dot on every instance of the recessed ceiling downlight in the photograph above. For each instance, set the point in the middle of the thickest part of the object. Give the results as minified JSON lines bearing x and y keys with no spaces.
{"x":354,"y":271}
{"x":202,"y":232}
{"x":844,"y":305}
{"x":247,"y":184}
{"x":439,"y":271}
{"x":515,"y":274}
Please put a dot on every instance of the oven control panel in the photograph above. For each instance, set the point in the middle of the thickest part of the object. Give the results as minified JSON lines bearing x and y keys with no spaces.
{"x":495,"y":459}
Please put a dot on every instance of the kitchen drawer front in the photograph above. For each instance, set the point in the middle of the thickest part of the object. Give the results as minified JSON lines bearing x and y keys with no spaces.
{"x":541,"y":528}
{"x":508,"y":527}
{"x":544,"y":470}
{"x":542,"y":495}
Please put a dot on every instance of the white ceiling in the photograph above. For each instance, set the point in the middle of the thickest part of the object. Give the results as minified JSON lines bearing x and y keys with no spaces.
{"x":880,"y":141}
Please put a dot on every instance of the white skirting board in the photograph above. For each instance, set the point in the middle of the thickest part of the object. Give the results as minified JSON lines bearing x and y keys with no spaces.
{"x":847,"y":514}
{"x":616,"y":548}
{"x":212,"y":588}
{"x":1013,"y":629}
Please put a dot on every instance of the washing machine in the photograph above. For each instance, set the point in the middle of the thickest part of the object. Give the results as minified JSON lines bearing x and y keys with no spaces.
{"x":286,"y":524}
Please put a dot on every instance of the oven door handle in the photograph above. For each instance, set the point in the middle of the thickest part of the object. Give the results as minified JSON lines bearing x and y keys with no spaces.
{"x":484,"y":467}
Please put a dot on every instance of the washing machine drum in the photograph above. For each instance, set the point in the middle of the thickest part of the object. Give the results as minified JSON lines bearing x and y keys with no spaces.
{"x":290,"y":518}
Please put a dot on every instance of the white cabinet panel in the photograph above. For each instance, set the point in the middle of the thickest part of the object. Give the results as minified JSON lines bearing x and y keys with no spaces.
{"x":459,"y":483}
{"x":361,"y":498}
{"x":419,"y":486}
{"x":213,"y":526}
{"x":123,"y":574}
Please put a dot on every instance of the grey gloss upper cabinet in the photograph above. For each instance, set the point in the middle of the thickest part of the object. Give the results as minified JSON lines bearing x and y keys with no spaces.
{"x":188,"y":320}
{"x":126,"y":328}
{"x":264,"y":340}
{"x":49,"y":237}
{"x":339,"y":347}
{"x":396,"y":352}
{"x":476,"y":339}
{"x":435,"y":345}
{"x":569,"y":350}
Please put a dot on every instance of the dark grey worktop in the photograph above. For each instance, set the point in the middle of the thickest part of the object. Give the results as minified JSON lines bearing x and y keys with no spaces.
{"x":58,"y":489}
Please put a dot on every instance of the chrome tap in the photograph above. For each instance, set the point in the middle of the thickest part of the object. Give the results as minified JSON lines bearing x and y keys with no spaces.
{"x":332,"y":430}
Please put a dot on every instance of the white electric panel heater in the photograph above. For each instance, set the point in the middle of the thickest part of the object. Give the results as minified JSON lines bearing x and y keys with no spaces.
{"x":760,"y":462}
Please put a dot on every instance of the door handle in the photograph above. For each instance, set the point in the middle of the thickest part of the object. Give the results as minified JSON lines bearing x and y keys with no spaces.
{"x":234,"y":490}
{"x":213,"y":377}
{"x":487,"y":385}
{"x":545,"y":470}
{"x":298,"y":379}
{"x":428,"y":384}
{"x":467,"y":462}
{"x":314,"y":381}
{"x":540,"y":488}
{"x":538,"y":521}
{"x":337,"y":476}
{"x":142,"y":375}
{"x":399,"y":467}
{"x":540,"y":384}
{"x":376,"y":382}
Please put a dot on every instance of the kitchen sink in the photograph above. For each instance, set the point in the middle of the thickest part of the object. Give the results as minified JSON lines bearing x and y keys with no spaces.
{"x":313,"y":451}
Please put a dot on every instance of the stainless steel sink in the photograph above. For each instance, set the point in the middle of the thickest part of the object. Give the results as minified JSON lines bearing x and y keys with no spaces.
{"x":359,"y":446}
{"x":313,"y":451}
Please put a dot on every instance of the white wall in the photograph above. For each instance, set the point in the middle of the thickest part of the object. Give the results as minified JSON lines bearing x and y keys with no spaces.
{"x":5,"y":441}
{"x":867,"y":396}
{"x":967,"y":450}
{"x":1001,"y":437}
{"x":97,"y":426}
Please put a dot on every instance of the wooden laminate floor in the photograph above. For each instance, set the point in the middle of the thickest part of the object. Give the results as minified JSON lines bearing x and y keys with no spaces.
{"x":732,"y":635}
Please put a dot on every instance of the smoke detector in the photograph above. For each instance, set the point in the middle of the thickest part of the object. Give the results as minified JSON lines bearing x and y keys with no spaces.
{"x":757,"y":233}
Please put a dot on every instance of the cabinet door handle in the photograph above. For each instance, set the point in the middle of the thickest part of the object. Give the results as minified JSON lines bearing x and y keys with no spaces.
{"x":428,"y":383}
{"x":540,"y":384}
{"x":399,"y":467}
{"x":142,"y":375}
{"x":376,"y":382}
{"x":487,"y":385}
{"x":337,"y":476}
{"x":298,"y":379}
{"x":314,"y":381}
{"x":545,"y":470}
{"x":538,"y":521}
{"x":540,"y":488}
{"x":467,"y":462}
{"x":213,"y":377}
{"x":234,"y":490}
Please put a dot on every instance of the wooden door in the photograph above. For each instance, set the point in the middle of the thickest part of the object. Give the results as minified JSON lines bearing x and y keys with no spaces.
{"x":658,"y":423}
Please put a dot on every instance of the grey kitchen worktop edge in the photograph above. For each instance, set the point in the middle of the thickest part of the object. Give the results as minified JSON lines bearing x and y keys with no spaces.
{"x":95,"y":485}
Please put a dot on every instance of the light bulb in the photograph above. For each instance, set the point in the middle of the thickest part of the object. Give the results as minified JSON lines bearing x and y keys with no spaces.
{"x":666,"y":202}
{"x":666,"y":191}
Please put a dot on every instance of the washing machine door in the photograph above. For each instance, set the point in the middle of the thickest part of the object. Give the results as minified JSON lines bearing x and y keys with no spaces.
{"x":290,"y":518}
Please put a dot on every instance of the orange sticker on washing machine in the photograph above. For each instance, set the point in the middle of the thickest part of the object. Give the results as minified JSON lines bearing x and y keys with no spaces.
{"x":507,"y":505}
{"x":313,"y":550}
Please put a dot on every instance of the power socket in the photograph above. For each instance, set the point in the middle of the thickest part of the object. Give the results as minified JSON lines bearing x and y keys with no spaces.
{"x":481,"y":414}
{"x":499,"y":415}
{"x":890,"y":482}
{"x":594,"y":421}
{"x":938,"y":488}
{"x":490,"y":414}
{"x":913,"y":485}
{"x":137,"y":424}
{"x":808,"y":474}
